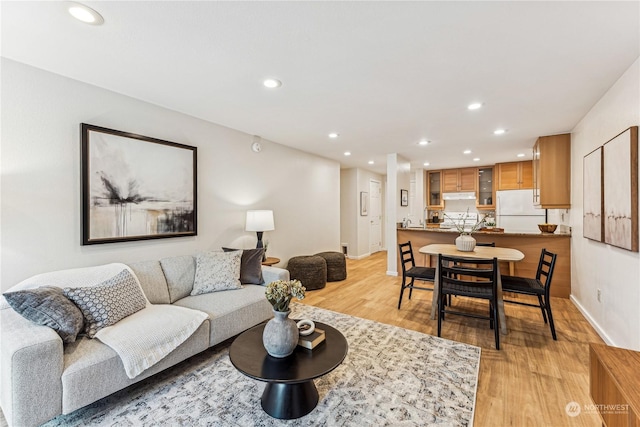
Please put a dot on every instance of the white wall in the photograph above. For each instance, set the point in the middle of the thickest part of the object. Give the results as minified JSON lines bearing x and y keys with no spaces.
{"x":594,"y":265}
{"x":354,"y":228}
{"x":349,"y":210}
{"x":40,"y":179}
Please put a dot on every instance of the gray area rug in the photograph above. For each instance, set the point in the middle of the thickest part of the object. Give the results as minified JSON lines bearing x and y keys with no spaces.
{"x":390,"y":377}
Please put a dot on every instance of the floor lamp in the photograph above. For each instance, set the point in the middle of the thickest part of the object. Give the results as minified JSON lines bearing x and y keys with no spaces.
{"x":260,"y":221}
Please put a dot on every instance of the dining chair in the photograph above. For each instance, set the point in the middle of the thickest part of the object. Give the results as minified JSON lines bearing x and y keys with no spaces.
{"x":490,"y":244}
{"x":479,"y":280}
{"x":536,"y":287}
{"x":411,"y":272}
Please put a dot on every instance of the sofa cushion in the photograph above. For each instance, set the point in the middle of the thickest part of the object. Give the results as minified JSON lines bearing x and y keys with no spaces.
{"x":152,"y":280}
{"x":180,"y":272}
{"x":231,"y":312}
{"x":217,"y":271}
{"x":47,"y":306}
{"x":250,"y":265}
{"x":108,"y":302}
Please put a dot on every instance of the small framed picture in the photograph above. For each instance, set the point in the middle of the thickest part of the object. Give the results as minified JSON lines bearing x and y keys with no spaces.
{"x":404,"y":198}
{"x":364,"y":203}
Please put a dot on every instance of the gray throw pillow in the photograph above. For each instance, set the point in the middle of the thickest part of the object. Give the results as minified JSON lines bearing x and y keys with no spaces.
{"x":217,"y":271}
{"x":250,"y":265}
{"x":109,"y":302}
{"x":47,"y":306}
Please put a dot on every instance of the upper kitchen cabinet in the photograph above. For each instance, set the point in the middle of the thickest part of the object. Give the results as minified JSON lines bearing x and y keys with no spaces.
{"x":515,"y":175}
{"x":552,"y":172}
{"x":457,"y":180}
{"x":434,"y":190}
{"x":485,"y":195}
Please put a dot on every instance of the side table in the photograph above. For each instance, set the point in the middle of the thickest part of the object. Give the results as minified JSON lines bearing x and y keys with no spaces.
{"x":290,"y":391}
{"x":271,"y":261}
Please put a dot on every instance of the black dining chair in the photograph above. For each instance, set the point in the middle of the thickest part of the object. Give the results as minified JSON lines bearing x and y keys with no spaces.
{"x":479,"y":280}
{"x":411,"y":272}
{"x":489,"y":244}
{"x":536,"y":287}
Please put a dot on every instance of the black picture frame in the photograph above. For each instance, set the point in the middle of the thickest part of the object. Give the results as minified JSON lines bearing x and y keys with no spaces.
{"x":135,"y":187}
{"x":404,"y":198}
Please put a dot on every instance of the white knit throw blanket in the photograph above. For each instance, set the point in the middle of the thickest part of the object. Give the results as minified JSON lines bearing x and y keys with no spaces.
{"x":146,"y":337}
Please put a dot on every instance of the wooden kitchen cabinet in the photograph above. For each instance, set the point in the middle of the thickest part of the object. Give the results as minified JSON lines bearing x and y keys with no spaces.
{"x":485,"y":193}
{"x":515,"y":175}
{"x":457,"y":180}
{"x":552,"y":172}
{"x":434,"y":190}
{"x":614,"y":384}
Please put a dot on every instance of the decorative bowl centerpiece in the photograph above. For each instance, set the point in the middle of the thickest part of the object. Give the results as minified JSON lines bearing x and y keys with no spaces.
{"x":548,"y":228}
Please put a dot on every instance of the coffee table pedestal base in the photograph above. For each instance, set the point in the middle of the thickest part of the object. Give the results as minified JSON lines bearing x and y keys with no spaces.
{"x":289,"y":401}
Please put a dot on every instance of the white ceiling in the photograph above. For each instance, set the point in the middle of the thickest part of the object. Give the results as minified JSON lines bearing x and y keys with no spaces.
{"x":382,"y":74}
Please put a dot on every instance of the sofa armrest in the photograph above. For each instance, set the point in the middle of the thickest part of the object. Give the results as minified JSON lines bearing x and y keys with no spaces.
{"x":31,"y":365}
{"x":271,"y":274}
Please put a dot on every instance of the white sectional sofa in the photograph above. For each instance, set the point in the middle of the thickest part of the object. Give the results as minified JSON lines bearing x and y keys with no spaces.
{"x":41,"y":377}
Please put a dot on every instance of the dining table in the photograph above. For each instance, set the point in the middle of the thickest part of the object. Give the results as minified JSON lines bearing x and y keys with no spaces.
{"x":479,"y":252}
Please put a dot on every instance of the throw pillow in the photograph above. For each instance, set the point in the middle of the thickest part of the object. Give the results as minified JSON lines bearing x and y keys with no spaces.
{"x":47,"y":306}
{"x":180,"y":272}
{"x":108,"y":302}
{"x":250,"y":265}
{"x":217,"y":271}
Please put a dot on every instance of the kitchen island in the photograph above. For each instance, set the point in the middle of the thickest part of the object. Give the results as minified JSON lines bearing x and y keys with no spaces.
{"x":530,"y":244}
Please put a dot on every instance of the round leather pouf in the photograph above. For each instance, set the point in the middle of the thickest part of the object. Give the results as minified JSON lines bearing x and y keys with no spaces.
{"x":336,"y":265}
{"x":310,"y":270}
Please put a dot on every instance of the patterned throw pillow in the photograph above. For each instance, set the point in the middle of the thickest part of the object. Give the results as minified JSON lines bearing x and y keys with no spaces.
{"x":217,"y":271}
{"x":47,"y":306}
{"x":109,"y":302}
{"x":250,"y":265}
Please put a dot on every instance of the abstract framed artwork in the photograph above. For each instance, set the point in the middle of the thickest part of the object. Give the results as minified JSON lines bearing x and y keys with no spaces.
{"x":404,"y":198}
{"x":592,"y":221}
{"x":620,"y":188}
{"x":364,"y":203}
{"x":135,"y":187}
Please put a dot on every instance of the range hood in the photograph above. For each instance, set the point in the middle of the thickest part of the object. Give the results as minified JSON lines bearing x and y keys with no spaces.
{"x":469,"y":195}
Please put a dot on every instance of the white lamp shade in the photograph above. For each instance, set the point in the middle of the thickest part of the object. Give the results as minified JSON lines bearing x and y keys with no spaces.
{"x":260,"y":220}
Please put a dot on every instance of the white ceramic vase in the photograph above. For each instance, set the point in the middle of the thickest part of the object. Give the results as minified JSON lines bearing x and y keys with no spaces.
{"x":280,"y":336}
{"x":465,"y":243}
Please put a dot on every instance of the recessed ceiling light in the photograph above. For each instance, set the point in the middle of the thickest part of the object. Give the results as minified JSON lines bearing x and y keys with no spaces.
{"x":423,"y":142}
{"x":474,"y":106}
{"x":521,"y":155}
{"x":272,"y":83}
{"x":466,"y":152}
{"x":499,"y":131}
{"x":371,"y":162}
{"x":476,"y":159}
{"x":426,"y":163}
{"x":347,"y":153}
{"x":334,"y":135}
{"x":85,"y":14}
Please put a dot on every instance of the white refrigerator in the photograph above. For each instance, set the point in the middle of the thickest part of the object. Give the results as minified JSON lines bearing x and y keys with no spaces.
{"x":515,"y":212}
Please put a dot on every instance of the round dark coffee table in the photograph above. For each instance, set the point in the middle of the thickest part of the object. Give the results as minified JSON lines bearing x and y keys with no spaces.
{"x":290,"y":392}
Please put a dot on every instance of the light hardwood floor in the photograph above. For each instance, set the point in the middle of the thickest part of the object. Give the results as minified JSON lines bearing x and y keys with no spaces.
{"x":528,"y":382}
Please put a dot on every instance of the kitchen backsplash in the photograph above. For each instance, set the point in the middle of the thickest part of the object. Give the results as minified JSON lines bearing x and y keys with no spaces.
{"x":460,"y":206}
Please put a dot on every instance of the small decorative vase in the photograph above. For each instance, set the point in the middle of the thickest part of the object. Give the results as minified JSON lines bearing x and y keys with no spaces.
{"x":280,"y":336}
{"x":465,"y":243}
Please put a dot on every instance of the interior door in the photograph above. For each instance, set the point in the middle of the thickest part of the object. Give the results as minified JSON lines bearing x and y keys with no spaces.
{"x":375,"y":210}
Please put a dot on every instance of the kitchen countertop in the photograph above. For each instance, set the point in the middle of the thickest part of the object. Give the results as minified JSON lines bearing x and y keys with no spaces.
{"x":483,"y":232}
